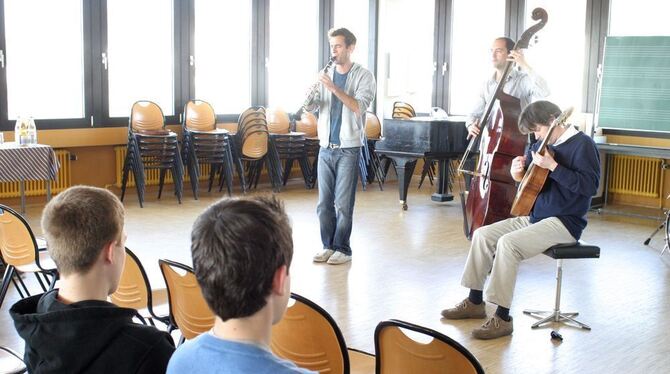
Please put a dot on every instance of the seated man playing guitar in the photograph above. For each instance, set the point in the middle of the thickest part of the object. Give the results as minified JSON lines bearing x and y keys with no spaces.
{"x":558,"y":216}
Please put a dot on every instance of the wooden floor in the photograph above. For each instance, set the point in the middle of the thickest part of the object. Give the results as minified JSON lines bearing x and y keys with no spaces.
{"x":407,"y":265}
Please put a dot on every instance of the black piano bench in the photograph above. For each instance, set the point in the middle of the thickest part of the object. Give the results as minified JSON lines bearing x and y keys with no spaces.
{"x":560,"y":252}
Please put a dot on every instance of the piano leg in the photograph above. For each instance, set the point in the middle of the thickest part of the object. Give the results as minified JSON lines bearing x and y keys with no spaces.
{"x":442,"y":194}
{"x":405,"y":170}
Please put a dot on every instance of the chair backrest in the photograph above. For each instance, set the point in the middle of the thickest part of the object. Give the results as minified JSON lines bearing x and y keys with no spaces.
{"x":308,"y":336}
{"x":398,"y":353}
{"x":402,"y":110}
{"x":199,"y":116}
{"x":17,"y":241}
{"x":373,"y":128}
{"x":308,"y":125}
{"x":188,"y":309}
{"x":278,"y":121}
{"x":146,"y":116}
{"x":11,"y":362}
{"x":134,"y":290}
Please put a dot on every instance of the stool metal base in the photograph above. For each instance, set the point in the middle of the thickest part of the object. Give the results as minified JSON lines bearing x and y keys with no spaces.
{"x":556,"y":315}
{"x":548,"y":316}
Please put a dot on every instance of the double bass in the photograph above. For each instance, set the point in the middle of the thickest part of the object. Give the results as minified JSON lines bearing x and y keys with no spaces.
{"x":492,"y":188}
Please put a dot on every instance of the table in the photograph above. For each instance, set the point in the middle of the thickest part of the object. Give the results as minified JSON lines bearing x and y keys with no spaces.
{"x":31,"y":162}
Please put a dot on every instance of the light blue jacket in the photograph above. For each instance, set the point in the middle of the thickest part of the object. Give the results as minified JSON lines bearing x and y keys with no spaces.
{"x":361,"y":86}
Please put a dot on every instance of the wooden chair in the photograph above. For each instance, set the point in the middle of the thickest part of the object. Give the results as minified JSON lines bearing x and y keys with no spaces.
{"x":189,"y":311}
{"x":151,"y":146}
{"x":134,"y":291}
{"x":11,"y":362}
{"x":308,"y":336}
{"x":205,"y":144}
{"x":308,"y":124}
{"x":20,"y":252}
{"x":254,"y":147}
{"x":398,"y":353}
{"x":402,"y":110}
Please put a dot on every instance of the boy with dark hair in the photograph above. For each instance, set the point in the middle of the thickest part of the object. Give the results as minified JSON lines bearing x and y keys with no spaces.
{"x":74,"y":329}
{"x":242,"y":251}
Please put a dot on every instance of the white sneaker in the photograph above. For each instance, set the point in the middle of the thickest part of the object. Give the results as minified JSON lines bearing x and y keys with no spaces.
{"x":339,"y":258}
{"x":323,"y":255}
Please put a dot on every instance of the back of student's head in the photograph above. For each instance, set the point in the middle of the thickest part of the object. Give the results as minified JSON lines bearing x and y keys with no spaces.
{"x":237,"y":247}
{"x":78,"y":223}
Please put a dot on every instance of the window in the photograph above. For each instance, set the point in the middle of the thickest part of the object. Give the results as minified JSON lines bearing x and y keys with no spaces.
{"x":354,"y":15}
{"x":406,"y":58}
{"x":638,"y":18}
{"x":294,"y":50}
{"x":558,"y":55}
{"x":44,"y":59}
{"x":223,"y":54}
{"x":471,"y":50}
{"x":140,"y":55}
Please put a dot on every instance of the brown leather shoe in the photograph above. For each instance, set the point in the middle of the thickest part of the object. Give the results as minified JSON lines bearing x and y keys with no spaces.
{"x":495,"y":327}
{"x":465,"y":309}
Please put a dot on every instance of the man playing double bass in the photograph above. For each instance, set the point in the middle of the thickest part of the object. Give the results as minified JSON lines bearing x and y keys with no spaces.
{"x":558,"y":216}
{"x":525,"y":85}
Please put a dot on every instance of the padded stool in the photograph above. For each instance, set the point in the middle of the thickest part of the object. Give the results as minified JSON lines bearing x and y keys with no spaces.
{"x":560,"y":252}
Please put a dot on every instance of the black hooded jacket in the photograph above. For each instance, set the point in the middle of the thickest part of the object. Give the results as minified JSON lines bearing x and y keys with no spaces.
{"x":87,"y":337}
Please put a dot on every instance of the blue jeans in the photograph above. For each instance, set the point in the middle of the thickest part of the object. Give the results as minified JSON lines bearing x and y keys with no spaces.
{"x":337,"y":176}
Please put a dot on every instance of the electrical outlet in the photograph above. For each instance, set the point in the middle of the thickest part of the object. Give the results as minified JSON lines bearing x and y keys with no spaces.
{"x":73,"y":157}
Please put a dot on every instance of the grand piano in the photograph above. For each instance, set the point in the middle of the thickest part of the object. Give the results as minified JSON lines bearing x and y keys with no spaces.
{"x":406,"y":140}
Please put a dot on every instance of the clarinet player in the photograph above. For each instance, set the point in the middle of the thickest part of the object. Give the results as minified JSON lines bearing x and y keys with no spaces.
{"x":342,"y":97}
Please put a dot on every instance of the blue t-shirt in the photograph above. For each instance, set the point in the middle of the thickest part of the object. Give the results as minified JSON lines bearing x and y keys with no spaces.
{"x":209,"y":354}
{"x":568,"y":190}
{"x":336,"y":108}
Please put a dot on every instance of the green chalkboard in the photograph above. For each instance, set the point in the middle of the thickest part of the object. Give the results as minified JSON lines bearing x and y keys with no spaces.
{"x":635,"y":86}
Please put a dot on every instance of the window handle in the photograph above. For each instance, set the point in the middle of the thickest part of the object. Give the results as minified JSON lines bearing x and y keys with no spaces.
{"x":445,"y":67}
{"x":191,"y":60}
{"x":2,"y":59}
{"x":104,"y":59}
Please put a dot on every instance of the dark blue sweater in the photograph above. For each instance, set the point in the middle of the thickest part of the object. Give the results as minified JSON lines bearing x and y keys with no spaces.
{"x":568,"y":190}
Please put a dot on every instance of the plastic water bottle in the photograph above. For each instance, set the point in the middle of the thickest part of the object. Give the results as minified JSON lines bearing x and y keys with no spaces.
{"x":32,"y":131}
{"x":21,"y":131}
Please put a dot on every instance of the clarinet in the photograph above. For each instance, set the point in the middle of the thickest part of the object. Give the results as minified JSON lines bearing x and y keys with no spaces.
{"x":313,"y":90}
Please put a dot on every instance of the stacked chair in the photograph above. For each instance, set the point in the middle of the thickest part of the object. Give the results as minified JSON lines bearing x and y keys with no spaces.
{"x":290,"y":145}
{"x":403,"y":110}
{"x":23,"y":253}
{"x":205,"y":144}
{"x":253,"y":148}
{"x":307,"y":124}
{"x":373,"y":133}
{"x":151,"y":146}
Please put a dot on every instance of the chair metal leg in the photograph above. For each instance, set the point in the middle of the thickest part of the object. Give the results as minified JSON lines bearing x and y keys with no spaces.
{"x":547,"y":316}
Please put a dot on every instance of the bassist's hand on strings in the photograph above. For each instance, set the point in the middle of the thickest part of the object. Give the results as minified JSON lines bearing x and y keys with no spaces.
{"x":518,"y":57}
{"x":545,"y":160}
{"x":473,"y":129}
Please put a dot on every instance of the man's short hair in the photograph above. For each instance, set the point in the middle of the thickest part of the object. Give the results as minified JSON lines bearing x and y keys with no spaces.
{"x":539,"y":112}
{"x":509,"y":43}
{"x":349,"y":37}
{"x":78,"y":223}
{"x":237,"y":246}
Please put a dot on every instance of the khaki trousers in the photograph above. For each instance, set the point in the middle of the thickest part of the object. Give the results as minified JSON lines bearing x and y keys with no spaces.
{"x":511,"y":241}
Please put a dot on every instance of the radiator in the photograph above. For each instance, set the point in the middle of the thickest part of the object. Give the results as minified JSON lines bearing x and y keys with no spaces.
{"x":38,"y":188}
{"x":153,"y":175}
{"x":634,"y":175}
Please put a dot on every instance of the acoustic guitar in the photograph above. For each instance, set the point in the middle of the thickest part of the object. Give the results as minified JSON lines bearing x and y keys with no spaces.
{"x":535,"y":176}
